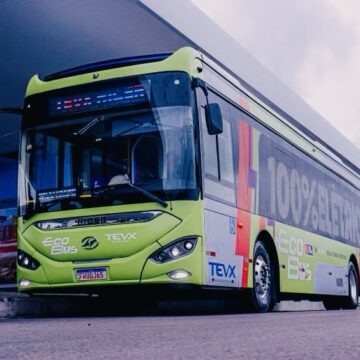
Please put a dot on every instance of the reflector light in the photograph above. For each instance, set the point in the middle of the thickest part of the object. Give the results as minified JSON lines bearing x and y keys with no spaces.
{"x":179,"y":274}
{"x":24,"y":282}
{"x":211,"y":253}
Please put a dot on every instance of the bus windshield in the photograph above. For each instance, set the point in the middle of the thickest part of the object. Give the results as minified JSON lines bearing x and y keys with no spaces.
{"x":135,"y":150}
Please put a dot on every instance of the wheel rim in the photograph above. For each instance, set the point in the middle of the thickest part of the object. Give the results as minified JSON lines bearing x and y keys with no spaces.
{"x":353,"y":288}
{"x":262,"y":279}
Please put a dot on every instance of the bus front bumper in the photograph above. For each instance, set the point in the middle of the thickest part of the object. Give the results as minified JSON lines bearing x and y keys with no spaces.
{"x":134,"y":270}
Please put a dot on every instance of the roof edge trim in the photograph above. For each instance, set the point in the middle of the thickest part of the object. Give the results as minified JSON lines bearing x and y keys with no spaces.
{"x":105,"y":65}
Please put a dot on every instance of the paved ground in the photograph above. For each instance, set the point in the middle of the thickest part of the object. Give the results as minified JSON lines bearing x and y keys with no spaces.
{"x":281,"y":335}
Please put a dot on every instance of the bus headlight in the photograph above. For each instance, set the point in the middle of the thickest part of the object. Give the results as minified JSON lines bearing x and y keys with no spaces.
{"x":175,"y":250}
{"x":26,"y":261}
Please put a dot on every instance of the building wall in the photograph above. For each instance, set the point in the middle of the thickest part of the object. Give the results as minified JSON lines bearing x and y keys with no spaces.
{"x":8,"y":194}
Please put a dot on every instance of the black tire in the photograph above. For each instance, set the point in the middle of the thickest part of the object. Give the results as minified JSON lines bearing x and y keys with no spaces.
{"x":263,"y":293}
{"x":332,"y":303}
{"x":349,"y":302}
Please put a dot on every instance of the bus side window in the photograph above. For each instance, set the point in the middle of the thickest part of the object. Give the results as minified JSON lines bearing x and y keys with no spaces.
{"x":211,"y":163}
{"x":218,"y":157}
{"x":226,"y":155}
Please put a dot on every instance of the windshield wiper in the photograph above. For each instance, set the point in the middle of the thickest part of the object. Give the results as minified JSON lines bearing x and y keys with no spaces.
{"x":137,"y":188}
{"x":149,"y":195}
{"x":89,"y":125}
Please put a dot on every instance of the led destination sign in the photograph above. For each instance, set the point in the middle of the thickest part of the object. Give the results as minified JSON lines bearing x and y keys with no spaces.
{"x":101,"y":99}
{"x":60,"y":194}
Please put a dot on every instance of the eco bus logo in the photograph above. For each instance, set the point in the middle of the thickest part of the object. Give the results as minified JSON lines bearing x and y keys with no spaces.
{"x":89,"y":243}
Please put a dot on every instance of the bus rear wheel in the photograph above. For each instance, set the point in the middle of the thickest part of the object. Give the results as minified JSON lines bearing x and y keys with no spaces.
{"x":263,"y":293}
{"x":351,"y":301}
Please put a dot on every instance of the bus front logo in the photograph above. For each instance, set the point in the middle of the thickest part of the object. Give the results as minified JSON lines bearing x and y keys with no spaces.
{"x":89,"y":243}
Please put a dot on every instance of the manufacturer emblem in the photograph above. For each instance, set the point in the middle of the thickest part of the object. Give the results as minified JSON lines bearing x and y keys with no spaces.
{"x":89,"y":243}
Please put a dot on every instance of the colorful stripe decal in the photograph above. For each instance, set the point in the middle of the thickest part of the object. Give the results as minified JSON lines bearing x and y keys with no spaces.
{"x":244,"y":196}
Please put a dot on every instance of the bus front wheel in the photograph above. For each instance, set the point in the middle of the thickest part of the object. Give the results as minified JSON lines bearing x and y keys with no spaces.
{"x":263,"y":293}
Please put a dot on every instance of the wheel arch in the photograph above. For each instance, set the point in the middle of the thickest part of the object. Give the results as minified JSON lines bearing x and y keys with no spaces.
{"x":269,"y":243}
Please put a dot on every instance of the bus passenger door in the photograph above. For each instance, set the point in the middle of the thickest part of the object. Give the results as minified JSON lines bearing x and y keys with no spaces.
{"x":222,"y":267}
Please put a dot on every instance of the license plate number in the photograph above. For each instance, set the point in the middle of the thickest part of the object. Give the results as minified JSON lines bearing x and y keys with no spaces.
{"x":91,"y":274}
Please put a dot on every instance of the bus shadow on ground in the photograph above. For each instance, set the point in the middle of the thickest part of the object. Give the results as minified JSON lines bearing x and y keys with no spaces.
{"x":89,"y":307}
{"x":12,"y":307}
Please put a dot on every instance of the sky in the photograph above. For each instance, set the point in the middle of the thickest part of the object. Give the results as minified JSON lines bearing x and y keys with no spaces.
{"x":312,"y":46}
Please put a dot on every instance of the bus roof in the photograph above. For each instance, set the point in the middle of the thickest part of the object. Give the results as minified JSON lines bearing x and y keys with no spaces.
{"x":105,"y":65}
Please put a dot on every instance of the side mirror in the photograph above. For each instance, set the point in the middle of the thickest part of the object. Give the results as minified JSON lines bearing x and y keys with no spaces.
{"x":213,"y":117}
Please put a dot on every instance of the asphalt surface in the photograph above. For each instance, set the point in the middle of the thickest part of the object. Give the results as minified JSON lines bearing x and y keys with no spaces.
{"x":282,"y":335}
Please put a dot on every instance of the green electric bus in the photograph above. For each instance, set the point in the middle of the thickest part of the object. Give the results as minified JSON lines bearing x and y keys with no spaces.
{"x":168,"y":171}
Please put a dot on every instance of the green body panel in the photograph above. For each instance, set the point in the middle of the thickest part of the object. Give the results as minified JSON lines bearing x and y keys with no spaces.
{"x":297,"y":267}
{"x":297,"y":274}
{"x":185,"y":59}
{"x":141,"y":235}
{"x":126,"y":262}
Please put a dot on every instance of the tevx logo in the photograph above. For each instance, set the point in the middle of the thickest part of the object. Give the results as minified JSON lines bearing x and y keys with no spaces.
{"x":222,"y":270}
{"x":121,"y":237}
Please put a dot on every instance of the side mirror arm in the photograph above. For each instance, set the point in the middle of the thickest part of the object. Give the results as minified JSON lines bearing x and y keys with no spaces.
{"x":212,"y":111}
{"x":198,"y":83}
